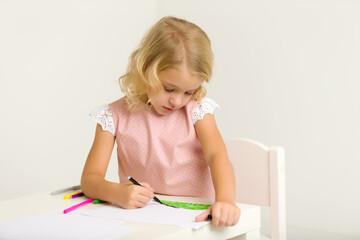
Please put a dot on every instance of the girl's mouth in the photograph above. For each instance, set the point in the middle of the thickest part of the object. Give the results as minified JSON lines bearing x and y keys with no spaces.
{"x":168,"y":109}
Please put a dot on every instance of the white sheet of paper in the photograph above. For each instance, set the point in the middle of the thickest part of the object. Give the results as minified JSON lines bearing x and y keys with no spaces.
{"x":153,"y":212}
{"x":56,"y":225}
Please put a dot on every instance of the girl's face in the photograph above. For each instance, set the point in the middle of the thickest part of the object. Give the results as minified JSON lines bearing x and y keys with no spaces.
{"x":178,"y":88}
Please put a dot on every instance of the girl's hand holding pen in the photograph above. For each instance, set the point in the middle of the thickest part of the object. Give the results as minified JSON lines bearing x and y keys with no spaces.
{"x":222,"y":213}
{"x":134,"y":196}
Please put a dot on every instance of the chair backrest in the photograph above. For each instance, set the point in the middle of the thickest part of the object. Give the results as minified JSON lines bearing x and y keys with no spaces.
{"x":260,"y":179}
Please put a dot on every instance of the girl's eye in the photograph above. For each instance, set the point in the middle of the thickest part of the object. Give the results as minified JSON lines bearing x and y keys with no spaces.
{"x":168,"y":90}
{"x":189,"y":93}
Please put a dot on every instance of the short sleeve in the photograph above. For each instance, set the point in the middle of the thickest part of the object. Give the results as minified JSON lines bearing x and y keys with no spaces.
{"x":103,"y":116}
{"x":203,"y":107}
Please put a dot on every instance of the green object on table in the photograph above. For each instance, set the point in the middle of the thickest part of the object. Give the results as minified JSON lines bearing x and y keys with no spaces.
{"x":185,"y":205}
{"x":192,"y":206}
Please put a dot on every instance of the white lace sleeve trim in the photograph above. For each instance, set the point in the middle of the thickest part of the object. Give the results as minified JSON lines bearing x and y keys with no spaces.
{"x":203,"y":107}
{"x":103,"y":116}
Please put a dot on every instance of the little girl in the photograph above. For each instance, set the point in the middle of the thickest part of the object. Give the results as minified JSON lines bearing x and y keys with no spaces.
{"x":164,"y":128}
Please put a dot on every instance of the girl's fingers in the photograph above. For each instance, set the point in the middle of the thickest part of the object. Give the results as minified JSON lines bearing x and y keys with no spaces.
{"x":223,"y":218}
{"x":143,"y":199}
{"x":140,"y":204}
{"x":147,"y":186}
{"x":224,"y":215}
{"x":144,"y":192}
{"x":236,"y":217}
{"x":216,"y":214}
{"x":203,"y":216}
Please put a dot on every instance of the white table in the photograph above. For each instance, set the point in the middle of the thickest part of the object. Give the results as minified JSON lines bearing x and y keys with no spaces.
{"x":37,"y":204}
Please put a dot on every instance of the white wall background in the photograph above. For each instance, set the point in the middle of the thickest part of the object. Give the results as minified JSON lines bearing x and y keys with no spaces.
{"x":286,"y":73}
{"x":58,"y":61}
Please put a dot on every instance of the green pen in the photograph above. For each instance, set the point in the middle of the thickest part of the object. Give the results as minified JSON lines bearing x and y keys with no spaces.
{"x":96,"y":201}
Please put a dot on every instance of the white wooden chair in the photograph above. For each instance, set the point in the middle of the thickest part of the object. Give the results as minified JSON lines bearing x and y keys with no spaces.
{"x":260,"y":180}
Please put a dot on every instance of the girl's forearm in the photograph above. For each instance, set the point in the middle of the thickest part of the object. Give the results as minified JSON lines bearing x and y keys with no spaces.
{"x":96,"y":187}
{"x":223,"y":177}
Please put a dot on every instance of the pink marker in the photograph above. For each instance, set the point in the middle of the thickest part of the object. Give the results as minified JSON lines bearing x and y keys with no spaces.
{"x":77,"y":206}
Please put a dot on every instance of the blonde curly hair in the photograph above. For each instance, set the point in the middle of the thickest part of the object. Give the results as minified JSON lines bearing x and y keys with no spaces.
{"x":170,"y":43}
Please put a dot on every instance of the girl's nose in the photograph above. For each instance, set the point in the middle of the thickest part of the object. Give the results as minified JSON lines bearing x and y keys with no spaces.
{"x":175,"y":100}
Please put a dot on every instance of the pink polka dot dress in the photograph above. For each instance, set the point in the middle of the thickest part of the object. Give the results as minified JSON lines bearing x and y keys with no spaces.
{"x":162,"y":150}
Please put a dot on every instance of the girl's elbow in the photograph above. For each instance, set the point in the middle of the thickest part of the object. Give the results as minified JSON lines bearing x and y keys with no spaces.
{"x":83,"y":184}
